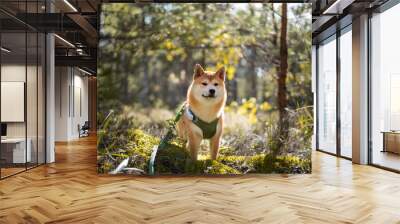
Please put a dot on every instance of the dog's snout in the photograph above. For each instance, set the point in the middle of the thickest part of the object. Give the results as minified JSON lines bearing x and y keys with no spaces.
{"x":212,"y":91}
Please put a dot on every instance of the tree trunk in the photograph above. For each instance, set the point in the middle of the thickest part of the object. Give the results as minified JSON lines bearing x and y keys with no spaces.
{"x":275,"y":40}
{"x":232,"y":89}
{"x":282,"y":89}
{"x":253,"y":69}
{"x":275,"y":26}
{"x":253,"y":58}
{"x":145,"y":64}
{"x":125,"y":78}
{"x":203,"y":50}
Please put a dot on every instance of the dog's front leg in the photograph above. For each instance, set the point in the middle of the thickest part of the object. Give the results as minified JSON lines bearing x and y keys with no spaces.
{"x":193,"y":144}
{"x":214,"y":146}
{"x":216,"y":139}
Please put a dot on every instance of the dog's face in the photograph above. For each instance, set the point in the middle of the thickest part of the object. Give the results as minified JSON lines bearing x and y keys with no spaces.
{"x":208,"y":86}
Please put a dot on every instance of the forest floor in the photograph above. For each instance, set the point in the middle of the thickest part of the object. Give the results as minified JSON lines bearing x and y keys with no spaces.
{"x":131,"y":136}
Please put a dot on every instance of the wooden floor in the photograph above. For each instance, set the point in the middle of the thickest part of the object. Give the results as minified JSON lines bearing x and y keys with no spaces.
{"x":70,"y":191}
{"x":387,"y":159}
{"x":10,"y":171}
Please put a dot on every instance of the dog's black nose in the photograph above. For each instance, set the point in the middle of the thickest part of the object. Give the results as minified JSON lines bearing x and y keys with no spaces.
{"x":212,"y":91}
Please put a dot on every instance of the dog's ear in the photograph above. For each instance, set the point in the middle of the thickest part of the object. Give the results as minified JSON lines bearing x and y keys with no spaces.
{"x":198,"y":71}
{"x":221,"y":73}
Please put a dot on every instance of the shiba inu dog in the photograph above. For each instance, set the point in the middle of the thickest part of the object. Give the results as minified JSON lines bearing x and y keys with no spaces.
{"x":203,"y":116}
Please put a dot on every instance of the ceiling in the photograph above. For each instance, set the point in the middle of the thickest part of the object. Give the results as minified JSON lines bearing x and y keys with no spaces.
{"x":331,"y":15}
{"x":76,"y":22}
{"x":73,"y":21}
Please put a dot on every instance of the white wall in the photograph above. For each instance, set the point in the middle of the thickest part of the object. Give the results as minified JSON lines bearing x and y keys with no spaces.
{"x":80,"y":95}
{"x":16,"y":73}
{"x":71,"y":102}
{"x":62,"y":81}
{"x":33,"y":126}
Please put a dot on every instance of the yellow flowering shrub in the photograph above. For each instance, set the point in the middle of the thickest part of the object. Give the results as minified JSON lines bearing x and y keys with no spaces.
{"x":248,"y":108}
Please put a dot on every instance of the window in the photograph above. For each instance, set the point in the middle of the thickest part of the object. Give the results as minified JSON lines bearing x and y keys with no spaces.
{"x":346,"y":93}
{"x":22,"y":77}
{"x":327,"y":95}
{"x":385,"y":89}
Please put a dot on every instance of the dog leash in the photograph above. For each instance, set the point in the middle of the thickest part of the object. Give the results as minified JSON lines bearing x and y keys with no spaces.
{"x":163,"y":143}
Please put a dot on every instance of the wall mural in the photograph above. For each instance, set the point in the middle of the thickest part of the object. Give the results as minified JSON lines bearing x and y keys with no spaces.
{"x":204,"y":89}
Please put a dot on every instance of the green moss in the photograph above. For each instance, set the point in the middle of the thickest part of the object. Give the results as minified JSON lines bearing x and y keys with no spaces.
{"x":105,"y":167}
{"x":208,"y":167}
{"x":226,"y":151}
{"x":172,"y":159}
{"x":175,"y":159}
{"x":256,"y":164}
{"x":142,"y":143}
{"x":238,"y":163}
{"x":216,"y":167}
{"x":120,"y":155}
{"x":286,"y":164}
{"x":139,"y":148}
{"x":269,"y":163}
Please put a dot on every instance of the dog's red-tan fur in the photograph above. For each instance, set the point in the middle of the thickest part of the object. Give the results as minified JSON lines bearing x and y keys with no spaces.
{"x":206,"y":108}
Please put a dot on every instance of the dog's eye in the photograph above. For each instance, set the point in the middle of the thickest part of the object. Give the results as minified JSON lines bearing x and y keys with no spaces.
{"x":204,"y":83}
{"x":215,"y":84}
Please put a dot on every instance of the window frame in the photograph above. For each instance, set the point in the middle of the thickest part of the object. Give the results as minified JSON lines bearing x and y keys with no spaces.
{"x":380,"y":9}
{"x":347,"y":27}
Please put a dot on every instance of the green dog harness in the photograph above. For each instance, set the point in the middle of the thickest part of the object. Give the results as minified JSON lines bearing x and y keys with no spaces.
{"x":208,"y":129}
